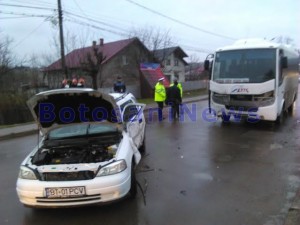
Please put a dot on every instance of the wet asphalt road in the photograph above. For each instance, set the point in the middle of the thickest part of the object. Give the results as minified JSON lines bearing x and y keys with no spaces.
{"x":194,"y":173}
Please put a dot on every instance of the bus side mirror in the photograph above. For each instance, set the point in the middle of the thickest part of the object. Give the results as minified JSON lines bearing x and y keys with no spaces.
{"x":284,"y":62}
{"x":206,"y":65}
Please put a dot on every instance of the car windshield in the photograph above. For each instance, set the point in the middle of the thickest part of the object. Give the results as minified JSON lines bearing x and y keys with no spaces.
{"x":81,"y":130}
{"x":245,"y":66}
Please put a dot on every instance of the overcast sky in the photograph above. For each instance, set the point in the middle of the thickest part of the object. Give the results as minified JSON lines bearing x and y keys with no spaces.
{"x":197,"y":26}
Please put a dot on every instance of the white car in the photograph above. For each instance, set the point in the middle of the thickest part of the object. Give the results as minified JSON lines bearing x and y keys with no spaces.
{"x":88,"y":151}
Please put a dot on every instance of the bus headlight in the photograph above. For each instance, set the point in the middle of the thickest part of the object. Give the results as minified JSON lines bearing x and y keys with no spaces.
{"x":265,"y":99}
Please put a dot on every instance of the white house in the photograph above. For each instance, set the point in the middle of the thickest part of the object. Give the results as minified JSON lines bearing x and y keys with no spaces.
{"x":173,"y":63}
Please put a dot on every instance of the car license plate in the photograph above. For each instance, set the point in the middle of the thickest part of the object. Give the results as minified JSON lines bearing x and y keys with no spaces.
{"x":64,"y":192}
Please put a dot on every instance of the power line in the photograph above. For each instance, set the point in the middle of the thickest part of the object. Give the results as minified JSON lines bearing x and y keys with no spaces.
{"x":66,"y":12}
{"x":96,"y":21}
{"x":180,"y":22}
{"x":25,"y":14}
{"x":79,"y":8}
{"x":34,"y":2}
{"x":29,"y":7}
{"x":96,"y":27}
{"x":70,"y":14}
{"x":191,"y":48}
{"x":29,"y":34}
{"x":13,"y":17}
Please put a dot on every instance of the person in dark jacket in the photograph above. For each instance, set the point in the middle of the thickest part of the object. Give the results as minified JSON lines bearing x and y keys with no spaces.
{"x":174,"y":99}
{"x":119,"y":86}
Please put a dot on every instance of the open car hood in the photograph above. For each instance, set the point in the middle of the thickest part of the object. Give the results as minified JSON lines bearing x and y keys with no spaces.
{"x":60,"y":107}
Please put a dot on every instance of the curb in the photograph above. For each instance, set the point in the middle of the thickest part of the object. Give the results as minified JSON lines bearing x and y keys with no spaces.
{"x":19,"y":134}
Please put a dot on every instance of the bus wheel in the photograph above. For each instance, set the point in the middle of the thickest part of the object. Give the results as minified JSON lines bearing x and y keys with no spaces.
{"x":291,"y":109}
{"x":280,"y":118}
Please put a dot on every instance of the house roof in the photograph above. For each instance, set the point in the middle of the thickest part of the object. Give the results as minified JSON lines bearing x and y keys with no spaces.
{"x":152,"y":72}
{"x":161,"y":54}
{"x":75,"y":58}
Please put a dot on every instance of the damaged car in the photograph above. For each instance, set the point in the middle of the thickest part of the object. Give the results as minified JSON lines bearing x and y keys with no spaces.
{"x":89,"y":148}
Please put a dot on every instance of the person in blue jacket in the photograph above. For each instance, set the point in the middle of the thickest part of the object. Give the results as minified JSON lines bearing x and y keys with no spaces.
{"x":119,"y":86}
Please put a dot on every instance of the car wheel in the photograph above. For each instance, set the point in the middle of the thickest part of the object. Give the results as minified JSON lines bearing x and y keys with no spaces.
{"x":133,"y":187}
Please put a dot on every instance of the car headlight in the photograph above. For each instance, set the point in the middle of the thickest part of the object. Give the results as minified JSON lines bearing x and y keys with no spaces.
{"x":26,"y":173}
{"x":112,"y":168}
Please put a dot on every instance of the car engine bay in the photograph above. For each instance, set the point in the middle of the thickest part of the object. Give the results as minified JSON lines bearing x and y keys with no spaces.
{"x":92,"y":153}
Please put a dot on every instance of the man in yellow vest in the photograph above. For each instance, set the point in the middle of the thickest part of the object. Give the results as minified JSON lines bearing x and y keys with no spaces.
{"x":178,"y":85}
{"x":160,"y":97}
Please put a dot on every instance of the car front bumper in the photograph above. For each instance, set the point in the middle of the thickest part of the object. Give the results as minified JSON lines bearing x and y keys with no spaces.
{"x":98,"y":190}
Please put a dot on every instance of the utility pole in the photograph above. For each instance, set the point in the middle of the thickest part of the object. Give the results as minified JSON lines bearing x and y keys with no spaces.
{"x":61,"y":36}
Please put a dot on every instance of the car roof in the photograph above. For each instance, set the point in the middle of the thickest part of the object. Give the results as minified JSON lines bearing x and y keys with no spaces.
{"x":122,"y":97}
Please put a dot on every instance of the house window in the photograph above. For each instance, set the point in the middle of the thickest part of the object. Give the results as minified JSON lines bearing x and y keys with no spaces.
{"x":176,"y":62}
{"x":168,"y":62}
{"x":125,"y":60}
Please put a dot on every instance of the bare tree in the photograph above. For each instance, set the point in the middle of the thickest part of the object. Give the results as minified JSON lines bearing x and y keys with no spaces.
{"x":194,"y":69}
{"x":6,"y":61}
{"x":6,"y":57}
{"x":194,"y":58}
{"x":153,"y":38}
{"x":73,"y":41}
{"x":92,"y":64}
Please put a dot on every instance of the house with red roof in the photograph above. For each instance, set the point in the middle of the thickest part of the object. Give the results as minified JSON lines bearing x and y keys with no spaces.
{"x":120,"y":58}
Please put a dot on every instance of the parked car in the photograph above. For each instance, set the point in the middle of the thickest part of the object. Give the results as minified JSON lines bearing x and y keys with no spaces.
{"x":88,"y":151}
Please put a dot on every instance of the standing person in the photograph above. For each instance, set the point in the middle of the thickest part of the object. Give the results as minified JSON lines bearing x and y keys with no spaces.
{"x":74,"y":82}
{"x":180,"y":88}
{"x":81,"y":82}
{"x":64,"y":83}
{"x":178,"y":85}
{"x":119,"y":86}
{"x":174,"y":99}
{"x":160,"y":97}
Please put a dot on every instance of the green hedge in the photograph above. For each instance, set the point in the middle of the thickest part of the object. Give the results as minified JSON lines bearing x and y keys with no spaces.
{"x":13,"y":109}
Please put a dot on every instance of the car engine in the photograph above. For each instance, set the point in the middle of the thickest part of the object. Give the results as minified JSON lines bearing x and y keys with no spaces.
{"x":92,"y":153}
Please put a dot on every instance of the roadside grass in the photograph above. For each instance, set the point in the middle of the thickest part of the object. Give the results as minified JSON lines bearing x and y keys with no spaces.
{"x":186,"y":94}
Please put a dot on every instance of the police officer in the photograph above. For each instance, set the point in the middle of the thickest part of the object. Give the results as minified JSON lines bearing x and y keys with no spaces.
{"x":119,"y":85}
{"x":160,"y":97}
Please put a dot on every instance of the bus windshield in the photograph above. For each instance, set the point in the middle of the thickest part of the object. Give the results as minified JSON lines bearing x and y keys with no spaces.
{"x":245,"y":66}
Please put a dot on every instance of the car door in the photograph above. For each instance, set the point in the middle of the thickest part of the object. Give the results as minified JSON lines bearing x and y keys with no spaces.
{"x":134,"y":122}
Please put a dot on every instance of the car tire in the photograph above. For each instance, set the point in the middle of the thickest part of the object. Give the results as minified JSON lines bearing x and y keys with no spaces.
{"x":133,"y":186}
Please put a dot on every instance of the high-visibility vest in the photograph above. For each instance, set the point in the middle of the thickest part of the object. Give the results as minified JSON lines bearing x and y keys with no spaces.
{"x":179,"y":86}
{"x":159,"y":93}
